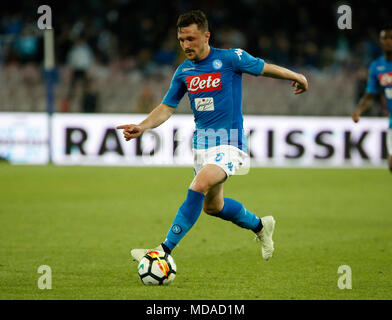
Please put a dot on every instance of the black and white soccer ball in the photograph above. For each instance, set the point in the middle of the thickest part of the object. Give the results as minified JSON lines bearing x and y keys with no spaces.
{"x":157,"y":268}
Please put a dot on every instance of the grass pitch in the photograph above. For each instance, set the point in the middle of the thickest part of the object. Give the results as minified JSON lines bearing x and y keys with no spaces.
{"x":82,"y":222}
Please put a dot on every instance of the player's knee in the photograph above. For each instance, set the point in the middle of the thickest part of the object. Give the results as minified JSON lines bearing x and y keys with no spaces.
{"x":201,"y":186}
{"x":211,"y":210}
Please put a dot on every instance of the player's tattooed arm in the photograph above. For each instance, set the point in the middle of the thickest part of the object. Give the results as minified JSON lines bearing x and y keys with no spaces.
{"x":157,"y":116}
{"x":364,"y":104}
{"x":299,"y":80}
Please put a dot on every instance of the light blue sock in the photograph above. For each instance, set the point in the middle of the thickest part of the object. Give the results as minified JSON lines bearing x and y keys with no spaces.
{"x":235,"y":212}
{"x":186,"y":217}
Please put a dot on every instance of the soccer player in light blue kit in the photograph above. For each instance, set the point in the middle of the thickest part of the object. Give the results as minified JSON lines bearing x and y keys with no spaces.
{"x":213,"y":80}
{"x":380,"y":80}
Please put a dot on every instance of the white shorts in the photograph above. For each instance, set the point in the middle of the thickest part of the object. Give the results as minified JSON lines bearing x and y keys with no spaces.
{"x":389,"y":142}
{"x":231,"y":159}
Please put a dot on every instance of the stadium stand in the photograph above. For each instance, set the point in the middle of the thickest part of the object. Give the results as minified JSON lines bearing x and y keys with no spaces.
{"x":130,"y":46}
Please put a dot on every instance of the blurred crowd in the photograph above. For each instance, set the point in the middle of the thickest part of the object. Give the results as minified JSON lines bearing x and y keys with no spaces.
{"x":101,"y":43}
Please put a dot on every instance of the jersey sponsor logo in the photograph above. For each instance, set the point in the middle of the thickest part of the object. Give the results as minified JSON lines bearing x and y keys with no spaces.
{"x":204,"y":82}
{"x":385,"y":79}
{"x":204,"y":104}
{"x":217,"y":64}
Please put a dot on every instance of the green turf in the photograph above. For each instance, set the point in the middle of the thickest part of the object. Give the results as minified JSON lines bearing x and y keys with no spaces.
{"x":82,"y":222}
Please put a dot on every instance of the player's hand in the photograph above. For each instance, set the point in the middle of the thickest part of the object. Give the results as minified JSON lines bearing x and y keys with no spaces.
{"x":131,"y":131}
{"x":300,"y":85}
{"x":355,"y":116}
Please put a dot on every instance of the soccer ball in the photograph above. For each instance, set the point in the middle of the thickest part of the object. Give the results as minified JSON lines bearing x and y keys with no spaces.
{"x":157,"y":268}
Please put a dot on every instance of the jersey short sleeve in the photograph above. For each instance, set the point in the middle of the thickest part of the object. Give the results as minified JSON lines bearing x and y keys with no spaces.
{"x":373,"y":85}
{"x":243,"y":62}
{"x":176,"y":91}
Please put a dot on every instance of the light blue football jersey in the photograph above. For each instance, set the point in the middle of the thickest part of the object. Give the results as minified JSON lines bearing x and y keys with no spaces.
{"x":380,"y":78}
{"x":214,"y":87}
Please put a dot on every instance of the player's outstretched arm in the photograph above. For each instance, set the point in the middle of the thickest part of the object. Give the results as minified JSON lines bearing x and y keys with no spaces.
{"x":299,"y":81}
{"x":364,"y":104}
{"x":157,"y":116}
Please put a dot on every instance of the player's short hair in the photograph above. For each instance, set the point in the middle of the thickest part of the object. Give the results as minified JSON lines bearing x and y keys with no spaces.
{"x":193,"y":17}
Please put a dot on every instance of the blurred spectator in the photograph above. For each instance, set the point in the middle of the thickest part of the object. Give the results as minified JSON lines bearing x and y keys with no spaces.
{"x":13,"y":24}
{"x":26,"y":46}
{"x":167,"y":53}
{"x":107,"y":46}
{"x":311,"y":55}
{"x":31,"y":79}
{"x":342,"y":51}
{"x":265,"y":49}
{"x":326,"y":58}
{"x":90,"y":97}
{"x":80,"y":59}
{"x":282,"y":50}
{"x":145,"y":32}
{"x":231,"y":38}
{"x":146,"y":101}
{"x":145,"y":64}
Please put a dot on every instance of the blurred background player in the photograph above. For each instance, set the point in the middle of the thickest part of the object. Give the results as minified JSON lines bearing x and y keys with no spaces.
{"x":213,"y":80}
{"x":380,"y":82}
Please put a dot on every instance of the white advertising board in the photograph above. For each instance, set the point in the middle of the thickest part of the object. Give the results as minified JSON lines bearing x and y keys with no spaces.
{"x":272,"y":141}
{"x":86,"y":139}
{"x":24,"y":138}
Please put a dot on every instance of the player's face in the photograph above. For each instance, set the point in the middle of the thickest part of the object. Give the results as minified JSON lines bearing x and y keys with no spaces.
{"x":386,"y":40}
{"x":194,"y":42}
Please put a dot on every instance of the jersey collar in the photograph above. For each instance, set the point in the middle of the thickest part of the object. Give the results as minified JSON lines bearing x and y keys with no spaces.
{"x":206,"y":58}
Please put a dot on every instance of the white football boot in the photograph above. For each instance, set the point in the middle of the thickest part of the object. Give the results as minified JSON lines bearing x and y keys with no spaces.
{"x":265,"y":237}
{"x":138,"y":254}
